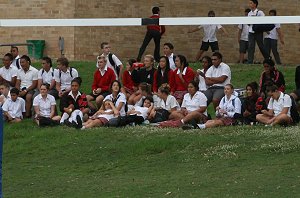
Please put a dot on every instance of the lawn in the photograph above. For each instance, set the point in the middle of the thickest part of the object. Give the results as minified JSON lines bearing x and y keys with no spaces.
{"x":241,"y":161}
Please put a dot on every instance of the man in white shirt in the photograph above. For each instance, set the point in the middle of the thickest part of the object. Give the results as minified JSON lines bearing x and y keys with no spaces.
{"x":255,"y":36}
{"x":168,"y":51}
{"x":16,"y":58}
{"x":209,"y":38}
{"x":279,"y":108}
{"x":8,"y":73}
{"x":216,"y":77}
{"x":271,"y":38}
{"x":243,"y":34}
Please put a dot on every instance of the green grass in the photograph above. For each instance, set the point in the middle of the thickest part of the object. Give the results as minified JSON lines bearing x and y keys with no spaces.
{"x":242,"y":161}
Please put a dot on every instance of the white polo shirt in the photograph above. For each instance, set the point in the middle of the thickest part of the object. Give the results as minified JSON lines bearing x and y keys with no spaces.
{"x":120,"y":98}
{"x":45,"y":76}
{"x":273,"y":33}
{"x":171,"y":61}
{"x":255,"y":13}
{"x":194,"y":103}
{"x":106,"y":116}
{"x":14,"y":108}
{"x":27,"y":77}
{"x":44,"y":104}
{"x":170,"y":103}
{"x":14,"y":62}
{"x":284,"y":100}
{"x":202,"y":85}
{"x":143,"y":111}
{"x":9,"y":73}
{"x":65,"y":78}
{"x":222,"y":70}
{"x":210,"y":32}
{"x":245,"y":31}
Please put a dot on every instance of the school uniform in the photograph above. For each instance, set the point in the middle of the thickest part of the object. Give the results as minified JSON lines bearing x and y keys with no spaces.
{"x":172,"y":61}
{"x":270,"y":43}
{"x":283,"y":101}
{"x":65,"y":78}
{"x":44,"y":105}
{"x":26,"y":78}
{"x":128,"y":83}
{"x":232,"y":106}
{"x":202,"y":85}
{"x":188,"y":75}
{"x":116,"y":61}
{"x":210,"y":38}
{"x":163,"y":79}
{"x":14,"y":108}
{"x":116,"y":101}
{"x":9,"y":73}
{"x":243,"y":42}
{"x":103,"y":79}
{"x":46,"y":76}
{"x":169,"y":104}
{"x":194,"y":103}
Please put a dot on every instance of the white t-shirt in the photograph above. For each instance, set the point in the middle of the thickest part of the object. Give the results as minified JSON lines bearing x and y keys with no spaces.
{"x":65,"y":78}
{"x":273,"y":33}
{"x":284,"y":100}
{"x":170,"y":103}
{"x":45,"y":76}
{"x":44,"y":104}
{"x":194,"y":103}
{"x":245,"y":31}
{"x":27,"y":77}
{"x":231,"y":106}
{"x":120,"y":98}
{"x":222,"y":70}
{"x":171,"y":61}
{"x":14,"y":108}
{"x":106,"y":116}
{"x":202,"y":85}
{"x":9,"y":73}
{"x":210,"y":32}
{"x":255,"y":13}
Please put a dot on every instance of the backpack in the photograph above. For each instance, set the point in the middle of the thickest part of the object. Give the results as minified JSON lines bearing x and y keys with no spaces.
{"x":43,"y":71}
{"x":262,"y":27}
{"x":112,"y":62}
{"x":70,"y":73}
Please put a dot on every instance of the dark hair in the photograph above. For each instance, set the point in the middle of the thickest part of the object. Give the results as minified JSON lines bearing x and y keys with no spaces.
{"x":26,"y":58}
{"x":10,"y":56}
{"x":48,"y":60}
{"x":77,"y":80}
{"x":131,"y":61}
{"x":155,"y":10}
{"x":183,"y":60}
{"x":218,"y":54}
{"x":170,"y":45}
{"x":273,"y":11}
{"x":255,"y":2}
{"x":230,"y":85}
{"x":145,"y":87}
{"x":14,"y":91}
{"x":14,"y":47}
{"x":119,"y":84}
{"x":5,"y":84}
{"x":46,"y":85}
{"x":271,"y":87}
{"x":195,"y":84}
{"x":165,"y":88}
{"x":63,"y":61}
{"x":247,"y":10}
{"x":253,"y":85}
{"x":269,"y":62}
{"x":102,"y":44}
{"x":163,"y":79}
{"x":150,"y":98}
{"x":211,"y":13}
{"x":208,"y":60}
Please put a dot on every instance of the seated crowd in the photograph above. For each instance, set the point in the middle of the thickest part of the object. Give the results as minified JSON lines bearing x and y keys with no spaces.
{"x":171,"y":95}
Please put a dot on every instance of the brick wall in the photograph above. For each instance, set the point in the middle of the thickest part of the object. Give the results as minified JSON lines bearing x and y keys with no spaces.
{"x":82,"y":43}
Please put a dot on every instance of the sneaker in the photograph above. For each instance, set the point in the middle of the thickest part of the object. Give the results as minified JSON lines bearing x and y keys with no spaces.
{"x":189,"y":127}
{"x":67,"y":123}
{"x":79,"y":122}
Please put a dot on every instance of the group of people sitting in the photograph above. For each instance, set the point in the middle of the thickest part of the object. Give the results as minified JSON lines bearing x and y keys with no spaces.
{"x":169,"y":96}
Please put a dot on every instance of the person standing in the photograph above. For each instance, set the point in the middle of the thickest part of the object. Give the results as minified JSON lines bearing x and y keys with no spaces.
{"x":153,"y":31}
{"x":243,"y":34}
{"x":271,"y":38}
{"x":255,"y":36}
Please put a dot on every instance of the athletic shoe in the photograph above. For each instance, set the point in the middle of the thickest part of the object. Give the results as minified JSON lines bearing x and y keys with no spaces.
{"x":79,"y":122}
{"x":189,"y":127}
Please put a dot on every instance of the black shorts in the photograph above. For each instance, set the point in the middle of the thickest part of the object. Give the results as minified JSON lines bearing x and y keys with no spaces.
{"x":243,"y":46}
{"x":104,"y":94}
{"x":213,"y":45}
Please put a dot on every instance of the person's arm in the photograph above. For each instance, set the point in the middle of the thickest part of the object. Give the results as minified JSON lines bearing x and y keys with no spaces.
{"x":215,"y":80}
{"x":224,"y":31}
{"x":121,"y":72}
{"x":37,"y":111}
{"x":18,"y":84}
{"x":39,"y":83}
{"x":280,"y":35}
{"x":194,"y":29}
{"x":32,"y":86}
{"x":52,"y":111}
{"x":239,"y":34}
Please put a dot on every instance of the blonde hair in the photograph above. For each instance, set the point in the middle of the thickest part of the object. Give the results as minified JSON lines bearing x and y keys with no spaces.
{"x":101,"y":57}
{"x":150,"y":57}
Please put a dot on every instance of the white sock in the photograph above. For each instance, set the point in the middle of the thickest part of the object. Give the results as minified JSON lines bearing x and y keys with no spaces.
{"x":182,"y":121}
{"x":201,"y":126}
{"x":64,"y":117}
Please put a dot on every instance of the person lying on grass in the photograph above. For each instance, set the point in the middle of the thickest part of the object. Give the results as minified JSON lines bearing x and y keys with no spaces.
{"x":278,"y":108}
{"x":227,"y":112}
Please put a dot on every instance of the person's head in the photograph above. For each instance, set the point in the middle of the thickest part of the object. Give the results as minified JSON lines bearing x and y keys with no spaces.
{"x":129,"y":64}
{"x":181,"y":61}
{"x":164,"y":91}
{"x":228,"y":89}
{"x":145,"y":89}
{"x":148,"y":61}
{"x":46,"y":63}
{"x":273,"y":12}
{"x":75,"y":84}
{"x":164,"y":63}
{"x":44,"y":89}
{"x":272,"y":91}
{"x":253,"y":4}
{"x":105,"y":47}
{"x":148,"y":101}
{"x":168,"y":49}
{"x":206,"y":62}
{"x":106,"y":104}
{"x":251,"y":88}
{"x":25,"y":62}
{"x":7,"y":60}
{"x":101,"y":62}
{"x":193,"y":87}
{"x":155,"y":10}
{"x":211,"y":13}
{"x":216,"y":58}
{"x":247,"y":10}
{"x":14,"y":93}
{"x":269,"y":65}
{"x":14,"y":50}
{"x":4,"y":89}
{"x":62,"y":64}
{"x":115,"y":87}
